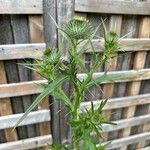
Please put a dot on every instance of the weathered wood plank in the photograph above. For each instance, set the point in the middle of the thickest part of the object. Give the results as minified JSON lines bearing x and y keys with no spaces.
{"x":65,"y":12}
{"x":51,"y":40}
{"x":136,"y":75}
{"x":37,"y":36}
{"x":111,"y":64}
{"x":5,"y":105}
{"x":119,"y":143}
{"x":26,"y":144}
{"x":19,"y":89}
{"x":145,"y":148}
{"x":145,"y":32}
{"x":32,"y":87}
{"x":10,"y":121}
{"x":44,"y":116}
{"x":124,"y":62}
{"x":21,"y":7}
{"x":113,"y":7}
{"x":21,"y":51}
{"x":20,"y":30}
{"x":121,"y":102}
{"x":128,"y":45}
{"x":124,"y":123}
{"x":138,"y":63}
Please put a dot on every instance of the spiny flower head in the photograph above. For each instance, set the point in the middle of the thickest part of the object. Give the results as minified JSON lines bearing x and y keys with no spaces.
{"x":78,"y":29}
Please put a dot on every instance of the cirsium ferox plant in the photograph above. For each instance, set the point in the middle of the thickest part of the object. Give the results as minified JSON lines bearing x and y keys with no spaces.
{"x":51,"y":66}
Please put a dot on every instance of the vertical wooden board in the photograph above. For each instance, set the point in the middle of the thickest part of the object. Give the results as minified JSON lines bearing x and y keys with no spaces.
{"x":12,"y":77}
{"x":129,"y":24}
{"x":36,"y":29}
{"x":11,"y":70}
{"x":36,"y":36}
{"x":145,"y":26}
{"x":95,"y":21}
{"x":20,"y":31}
{"x":65,"y":12}
{"x":111,"y":64}
{"x":50,"y":37}
{"x":5,"y":106}
{"x":138,"y":63}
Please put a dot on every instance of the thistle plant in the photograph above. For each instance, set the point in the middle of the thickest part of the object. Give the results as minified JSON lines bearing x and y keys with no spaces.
{"x":86,"y":125}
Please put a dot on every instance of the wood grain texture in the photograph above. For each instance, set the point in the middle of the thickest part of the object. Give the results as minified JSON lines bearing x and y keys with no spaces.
{"x":6,"y":107}
{"x":21,"y":7}
{"x":124,"y":123}
{"x":129,"y":25}
{"x":138,"y":63}
{"x":65,"y":12}
{"x":113,"y":7}
{"x":10,"y":121}
{"x":120,"y":143}
{"x":43,"y":116}
{"x":35,"y":50}
{"x":111,"y":64}
{"x":37,"y":36}
{"x":145,"y":32}
{"x":21,"y":51}
{"x":20,"y":30}
{"x":120,"y":102}
{"x":31,"y":143}
{"x":51,"y":40}
{"x":23,"y":88}
{"x":32,"y":87}
{"x":128,"y":45}
{"x":133,"y":75}
{"x":145,"y":148}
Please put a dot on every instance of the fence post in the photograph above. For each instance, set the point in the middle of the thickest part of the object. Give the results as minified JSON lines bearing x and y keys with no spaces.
{"x":61,"y":11}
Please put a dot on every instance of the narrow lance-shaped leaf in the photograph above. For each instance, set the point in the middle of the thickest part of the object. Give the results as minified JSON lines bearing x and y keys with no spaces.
{"x":60,"y":95}
{"x":111,"y":78}
{"x":50,"y":88}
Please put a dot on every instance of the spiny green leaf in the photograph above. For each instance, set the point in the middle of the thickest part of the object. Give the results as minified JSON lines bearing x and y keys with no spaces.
{"x":50,"y":88}
{"x":102,"y":104}
{"x":60,"y":95}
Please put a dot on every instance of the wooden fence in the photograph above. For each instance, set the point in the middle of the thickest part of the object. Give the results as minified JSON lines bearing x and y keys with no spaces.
{"x":21,"y":23}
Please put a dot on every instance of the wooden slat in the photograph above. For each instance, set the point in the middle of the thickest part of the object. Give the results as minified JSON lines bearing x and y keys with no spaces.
{"x":135,"y":75}
{"x":19,"y":89}
{"x":128,"y":45}
{"x":145,"y":148}
{"x":34,"y":117}
{"x":21,"y":7}
{"x":124,"y":123}
{"x":116,"y":103}
{"x":113,"y":7}
{"x":21,"y":51}
{"x":32,"y":87}
{"x":119,"y":143}
{"x":43,"y":116}
{"x":26,"y":144}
